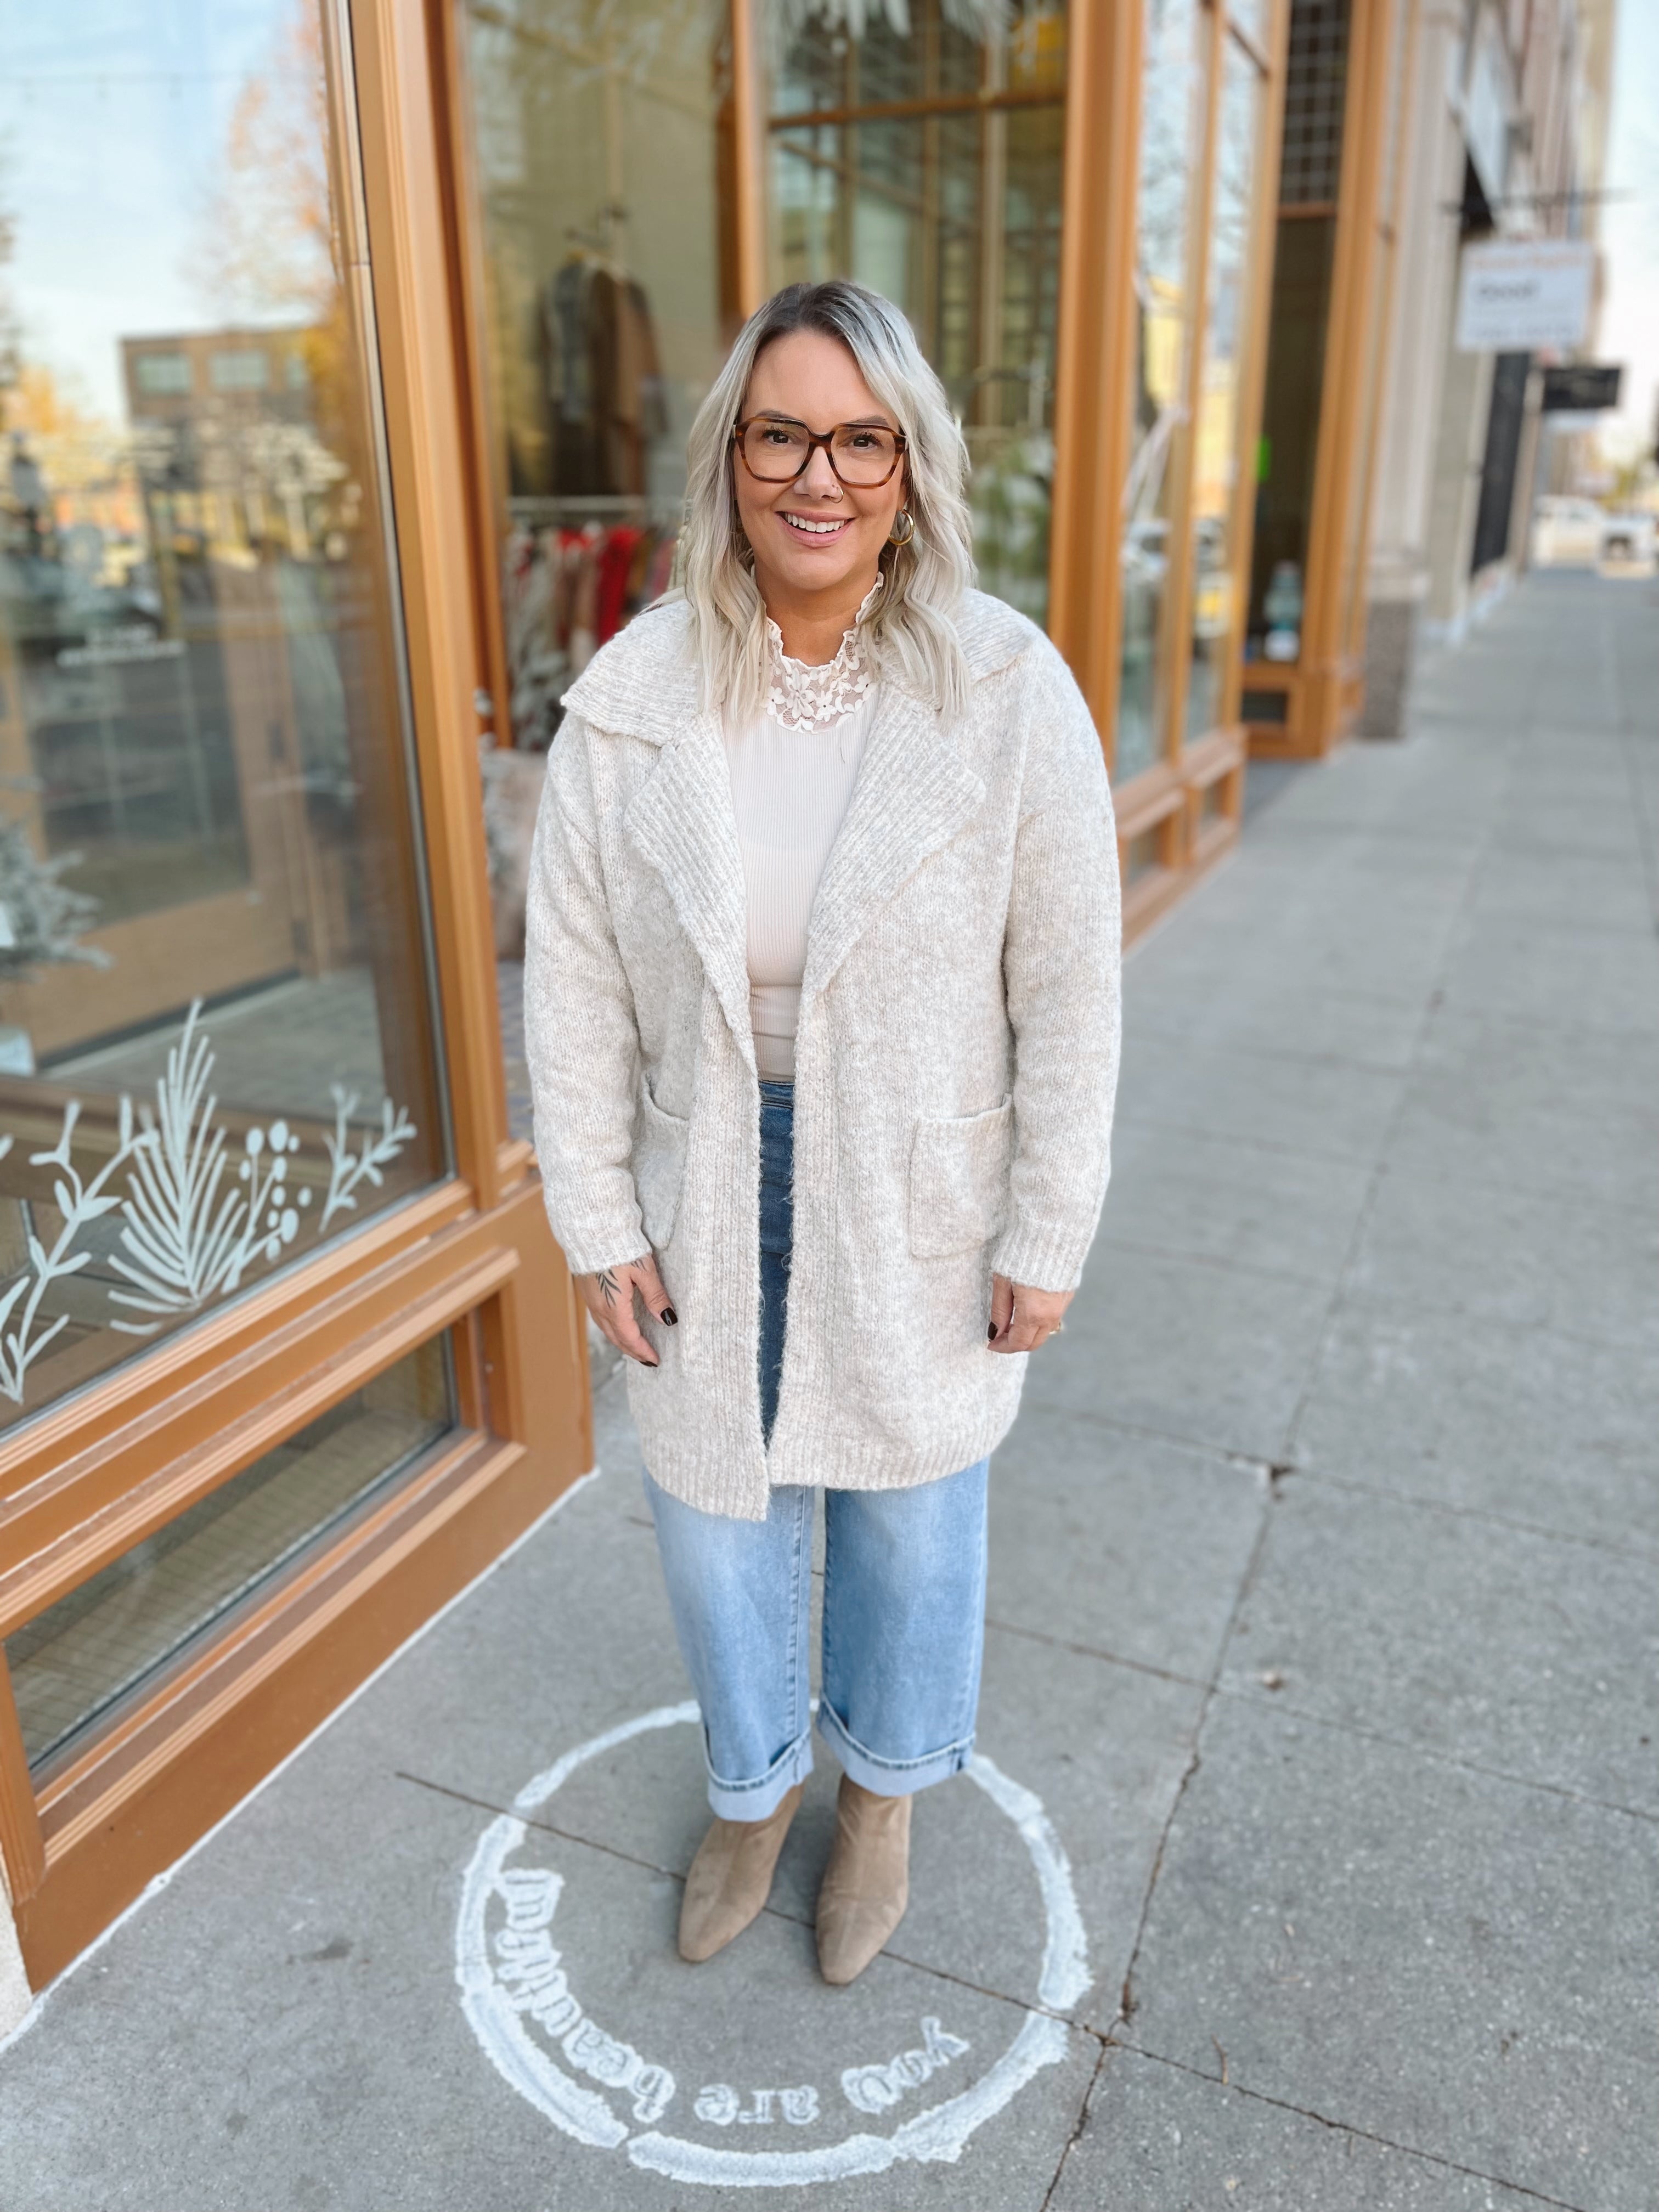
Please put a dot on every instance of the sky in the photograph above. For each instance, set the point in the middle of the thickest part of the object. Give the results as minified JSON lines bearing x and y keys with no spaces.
{"x":1630,"y":227}
{"x":124,"y":105}
{"x":120,"y":105}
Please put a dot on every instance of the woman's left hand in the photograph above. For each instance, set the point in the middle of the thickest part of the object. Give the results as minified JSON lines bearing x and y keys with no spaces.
{"x":1022,"y":1319}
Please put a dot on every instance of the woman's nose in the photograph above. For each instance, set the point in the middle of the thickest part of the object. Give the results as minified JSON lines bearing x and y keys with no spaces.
{"x":817,"y":476}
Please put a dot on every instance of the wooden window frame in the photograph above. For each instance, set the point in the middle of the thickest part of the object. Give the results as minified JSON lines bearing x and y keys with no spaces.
{"x":1101,"y":210}
{"x":1094,"y":376}
{"x":471,"y":1257}
{"x":1325,"y":685}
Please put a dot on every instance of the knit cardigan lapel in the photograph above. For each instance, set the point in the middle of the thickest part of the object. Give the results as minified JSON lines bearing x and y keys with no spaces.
{"x":914,"y":793}
{"x":682,"y":821}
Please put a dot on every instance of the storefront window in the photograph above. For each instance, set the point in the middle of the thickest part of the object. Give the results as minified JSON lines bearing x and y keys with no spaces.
{"x":597,"y":131}
{"x":1171,"y":124}
{"x":1216,"y":456}
{"x":1316,"y":90}
{"x":150,"y":1608}
{"x":215,"y":1043}
{"x":918,"y":148}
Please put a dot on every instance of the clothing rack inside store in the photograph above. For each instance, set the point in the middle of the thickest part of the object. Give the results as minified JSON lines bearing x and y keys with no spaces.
{"x":535,"y":510}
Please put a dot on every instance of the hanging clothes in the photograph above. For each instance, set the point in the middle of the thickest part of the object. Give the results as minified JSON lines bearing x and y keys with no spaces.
{"x":605,"y":400}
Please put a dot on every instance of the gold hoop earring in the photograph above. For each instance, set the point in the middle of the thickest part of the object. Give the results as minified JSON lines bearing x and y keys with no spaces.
{"x":903,"y":529}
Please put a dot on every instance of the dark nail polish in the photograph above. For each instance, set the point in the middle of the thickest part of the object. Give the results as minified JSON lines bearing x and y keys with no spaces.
{"x":991,"y":1334}
{"x":671,"y":1317}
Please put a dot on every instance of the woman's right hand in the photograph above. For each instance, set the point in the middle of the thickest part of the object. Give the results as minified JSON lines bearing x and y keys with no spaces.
{"x":610,"y":1297}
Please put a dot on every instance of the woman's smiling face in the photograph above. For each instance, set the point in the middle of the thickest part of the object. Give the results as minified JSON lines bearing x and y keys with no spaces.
{"x":815,"y":536}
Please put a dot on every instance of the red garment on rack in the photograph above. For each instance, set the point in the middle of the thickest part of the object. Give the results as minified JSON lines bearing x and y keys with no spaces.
{"x":616,"y":560}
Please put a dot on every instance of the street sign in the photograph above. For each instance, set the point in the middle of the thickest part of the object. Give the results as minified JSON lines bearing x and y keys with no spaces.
{"x":1582,"y":387}
{"x":1517,"y":295}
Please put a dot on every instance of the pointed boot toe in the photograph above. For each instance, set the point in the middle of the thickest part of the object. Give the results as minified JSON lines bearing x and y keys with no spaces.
{"x":731,"y":1878}
{"x":867,"y":1884}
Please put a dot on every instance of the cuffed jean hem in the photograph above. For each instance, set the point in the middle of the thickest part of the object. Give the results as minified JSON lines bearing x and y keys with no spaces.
{"x":889,"y":1777}
{"x":759,"y":1799}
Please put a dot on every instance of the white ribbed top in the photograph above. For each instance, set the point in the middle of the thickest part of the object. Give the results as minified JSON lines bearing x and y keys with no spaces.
{"x":790,"y":791}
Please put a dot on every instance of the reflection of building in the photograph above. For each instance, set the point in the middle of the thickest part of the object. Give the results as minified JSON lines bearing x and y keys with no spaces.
{"x":186,"y":684}
{"x":225,"y":438}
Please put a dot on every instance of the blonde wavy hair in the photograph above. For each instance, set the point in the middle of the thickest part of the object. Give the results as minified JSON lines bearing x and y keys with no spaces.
{"x":911,"y":632}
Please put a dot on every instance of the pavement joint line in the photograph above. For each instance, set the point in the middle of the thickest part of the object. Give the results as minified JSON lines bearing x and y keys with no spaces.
{"x":1359,"y":1300}
{"x":1126,"y":2000}
{"x":1250,"y":1462}
{"x":1110,"y":1242}
{"x":1556,"y":1027}
{"x":1078,"y":2125}
{"x":1162,"y":1122}
{"x":1457,"y":1179}
{"x":1234,"y":1047}
{"x":1433,"y":1000}
{"x":773,"y":1912}
{"x":1093,"y":1651}
{"x":168,"y":1875}
{"x":1272,"y":1700}
{"x":1417,"y":1305}
{"x":1348,"y":2128}
{"x":1634,"y":1549}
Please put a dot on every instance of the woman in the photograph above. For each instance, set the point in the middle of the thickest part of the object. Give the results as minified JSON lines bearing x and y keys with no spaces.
{"x":822,"y":1014}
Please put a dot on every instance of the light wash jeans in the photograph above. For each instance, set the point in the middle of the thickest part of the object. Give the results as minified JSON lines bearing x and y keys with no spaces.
{"x":903,"y":1596}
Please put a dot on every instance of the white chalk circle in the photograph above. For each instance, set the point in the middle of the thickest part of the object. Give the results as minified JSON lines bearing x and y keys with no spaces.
{"x":499,"y":2014}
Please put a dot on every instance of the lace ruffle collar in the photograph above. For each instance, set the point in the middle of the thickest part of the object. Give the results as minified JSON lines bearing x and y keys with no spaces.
{"x":800,"y":697}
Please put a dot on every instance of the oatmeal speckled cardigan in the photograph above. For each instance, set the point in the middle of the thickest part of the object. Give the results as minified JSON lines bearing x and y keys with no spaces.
{"x":955,"y":1064}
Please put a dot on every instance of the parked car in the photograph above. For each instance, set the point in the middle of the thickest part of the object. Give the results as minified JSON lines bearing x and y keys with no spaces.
{"x":1566,"y":532}
{"x":1628,"y":541}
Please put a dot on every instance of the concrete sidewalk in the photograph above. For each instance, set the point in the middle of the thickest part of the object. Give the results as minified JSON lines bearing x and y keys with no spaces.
{"x":1313,"y":1863}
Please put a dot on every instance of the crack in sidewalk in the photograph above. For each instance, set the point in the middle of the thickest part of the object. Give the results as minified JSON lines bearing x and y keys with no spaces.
{"x":773,"y":1912}
{"x":1348,"y":2128}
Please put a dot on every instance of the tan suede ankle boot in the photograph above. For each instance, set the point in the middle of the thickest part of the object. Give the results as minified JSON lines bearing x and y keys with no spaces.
{"x":731,"y":1878}
{"x":867,"y":1884}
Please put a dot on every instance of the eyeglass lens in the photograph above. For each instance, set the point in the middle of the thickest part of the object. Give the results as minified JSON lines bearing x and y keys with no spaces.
{"x":778,"y":453}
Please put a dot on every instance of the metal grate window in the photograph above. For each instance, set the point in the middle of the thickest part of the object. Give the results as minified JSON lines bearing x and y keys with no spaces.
{"x":1316,"y":83}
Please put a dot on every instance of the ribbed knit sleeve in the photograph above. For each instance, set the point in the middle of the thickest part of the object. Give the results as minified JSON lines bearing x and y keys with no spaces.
{"x":1061,"y":967}
{"x":580,"y":1036}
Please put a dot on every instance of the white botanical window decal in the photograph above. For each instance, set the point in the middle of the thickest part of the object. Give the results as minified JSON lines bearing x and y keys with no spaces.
{"x":347,"y":1170}
{"x":186,"y":1234}
{"x":22,"y":1342}
{"x":193,"y":1217}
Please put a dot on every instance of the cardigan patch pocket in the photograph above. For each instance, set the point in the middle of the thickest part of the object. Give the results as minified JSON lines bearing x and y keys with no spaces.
{"x":658,"y":1168}
{"x":959,"y":1181}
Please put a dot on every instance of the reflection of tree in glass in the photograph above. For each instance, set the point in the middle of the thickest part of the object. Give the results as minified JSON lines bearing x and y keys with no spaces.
{"x":41,"y":920}
{"x":266,"y":247}
{"x":1169,"y":89}
{"x":642,"y":46}
{"x":11,"y":334}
